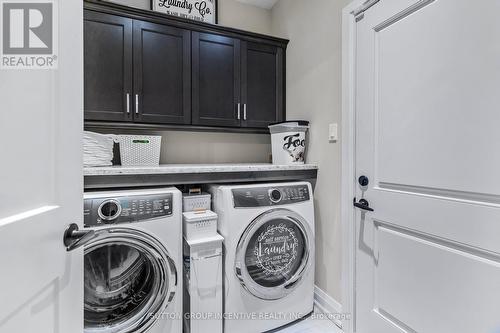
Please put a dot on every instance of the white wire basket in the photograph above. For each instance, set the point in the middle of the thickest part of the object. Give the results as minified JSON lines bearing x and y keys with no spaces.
{"x":139,"y":150}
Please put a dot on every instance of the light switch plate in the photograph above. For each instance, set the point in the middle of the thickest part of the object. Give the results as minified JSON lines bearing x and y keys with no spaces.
{"x":333,"y":134}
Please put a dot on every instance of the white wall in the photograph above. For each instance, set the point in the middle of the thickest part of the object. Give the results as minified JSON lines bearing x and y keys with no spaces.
{"x":314,"y":93}
{"x":230,"y":12}
{"x":201,"y":147}
{"x":189,"y":147}
{"x":239,"y":15}
{"x":143,"y":4}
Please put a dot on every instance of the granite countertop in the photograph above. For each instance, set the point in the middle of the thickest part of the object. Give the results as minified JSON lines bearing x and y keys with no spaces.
{"x":192,"y":168}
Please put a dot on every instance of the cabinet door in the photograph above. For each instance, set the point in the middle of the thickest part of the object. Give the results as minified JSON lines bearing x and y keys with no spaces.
{"x":162,"y":74}
{"x":216,"y":80}
{"x":262,"y":84}
{"x":107,"y":67}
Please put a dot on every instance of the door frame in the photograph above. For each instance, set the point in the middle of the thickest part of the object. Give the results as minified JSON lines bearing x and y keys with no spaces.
{"x":348,"y":172}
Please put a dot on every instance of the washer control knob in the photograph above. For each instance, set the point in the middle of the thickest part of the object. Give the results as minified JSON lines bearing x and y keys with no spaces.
{"x":109,"y":210}
{"x":275,"y":195}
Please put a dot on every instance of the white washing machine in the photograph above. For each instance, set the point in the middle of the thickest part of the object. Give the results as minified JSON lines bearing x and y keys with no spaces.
{"x":133,"y":261}
{"x":268,"y":232}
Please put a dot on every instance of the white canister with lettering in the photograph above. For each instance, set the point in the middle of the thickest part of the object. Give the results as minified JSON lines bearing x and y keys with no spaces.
{"x":288,"y":141}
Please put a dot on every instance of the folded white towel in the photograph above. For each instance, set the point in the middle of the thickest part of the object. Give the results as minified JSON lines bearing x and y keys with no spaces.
{"x":97,"y":149}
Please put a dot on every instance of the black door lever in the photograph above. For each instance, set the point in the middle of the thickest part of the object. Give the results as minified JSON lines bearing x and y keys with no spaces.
{"x":362,"y":204}
{"x":74,"y":238}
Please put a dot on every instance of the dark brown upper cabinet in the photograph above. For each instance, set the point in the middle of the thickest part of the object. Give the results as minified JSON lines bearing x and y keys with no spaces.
{"x":107,"y":67}
{"x":236,"y":83}
{"x":154,"y":88}
{"x":262,"y":84}
{"x":162,"y":74}
{"x":216,"y":80}
{"x":145,"y":69}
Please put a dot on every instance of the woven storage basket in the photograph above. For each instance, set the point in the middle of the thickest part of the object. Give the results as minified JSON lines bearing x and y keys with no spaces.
{"x":139,"y":150}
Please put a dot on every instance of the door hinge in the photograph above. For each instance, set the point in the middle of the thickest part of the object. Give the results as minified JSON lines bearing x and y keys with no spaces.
{"x":360,"y":11}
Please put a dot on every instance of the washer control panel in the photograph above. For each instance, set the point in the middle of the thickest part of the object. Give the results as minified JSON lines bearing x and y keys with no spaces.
{"x":102,"y":211}
{"x":270,"y":196}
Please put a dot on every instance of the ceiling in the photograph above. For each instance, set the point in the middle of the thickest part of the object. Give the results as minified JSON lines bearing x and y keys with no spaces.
{"x":267,"y":4}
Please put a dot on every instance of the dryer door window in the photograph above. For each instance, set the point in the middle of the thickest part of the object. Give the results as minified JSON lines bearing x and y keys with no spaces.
{"x":129,"y":279}
{"x":273,"y":254}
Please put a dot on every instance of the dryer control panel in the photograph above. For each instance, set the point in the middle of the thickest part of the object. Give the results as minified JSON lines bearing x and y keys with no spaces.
{"x":128,"y":209}
{"x":270,"y":196}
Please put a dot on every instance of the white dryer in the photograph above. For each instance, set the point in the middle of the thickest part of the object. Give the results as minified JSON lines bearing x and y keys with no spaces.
{"x":268,"y":232}
{"x":132,"y":261}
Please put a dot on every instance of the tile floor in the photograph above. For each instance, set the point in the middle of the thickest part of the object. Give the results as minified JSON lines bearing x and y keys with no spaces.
{"x":312,"y":326}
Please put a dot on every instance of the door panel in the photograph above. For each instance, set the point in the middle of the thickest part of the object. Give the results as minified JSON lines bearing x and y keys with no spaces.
{"x":408,"y":284}
{"x":437,"y":136}
{"x":162,"y":74}
{"x":426,"y":108}
{"x":41,"y":283}
{"x":262,"y":84}
{"x":107,"y":67}
{"x":216,"y":80}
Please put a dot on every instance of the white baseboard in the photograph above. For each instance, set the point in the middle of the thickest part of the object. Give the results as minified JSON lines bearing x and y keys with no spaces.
{"x":324,"y":303}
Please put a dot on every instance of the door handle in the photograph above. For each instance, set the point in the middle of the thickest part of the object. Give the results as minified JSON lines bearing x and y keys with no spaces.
{"x":239,"y":111}
{"x":136,"y":103}
{"x":75,"y":238}
{"x":128,"y":103}
{"x":245,"y":111}
{"x":362,"y":204}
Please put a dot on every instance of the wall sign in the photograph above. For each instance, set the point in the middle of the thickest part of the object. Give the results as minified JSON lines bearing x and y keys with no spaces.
{"x":197,"y":10}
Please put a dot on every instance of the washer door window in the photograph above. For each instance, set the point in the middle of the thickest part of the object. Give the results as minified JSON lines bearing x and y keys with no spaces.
{"x":273,"y":254}
{"x":129,"y":280}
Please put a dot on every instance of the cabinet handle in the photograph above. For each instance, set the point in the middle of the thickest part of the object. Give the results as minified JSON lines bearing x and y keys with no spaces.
{"x":239,"y":111}
{"x":128,"y":103}
{"x":245,"y":111}
{"x":136,"y":103}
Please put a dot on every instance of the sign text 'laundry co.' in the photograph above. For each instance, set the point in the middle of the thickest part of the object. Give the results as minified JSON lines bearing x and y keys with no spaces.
{"x":198,"y":10}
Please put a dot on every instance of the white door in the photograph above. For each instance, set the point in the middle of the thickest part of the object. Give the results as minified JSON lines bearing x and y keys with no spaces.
{"x":41,"y":187}
{"x":428,"y":140}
